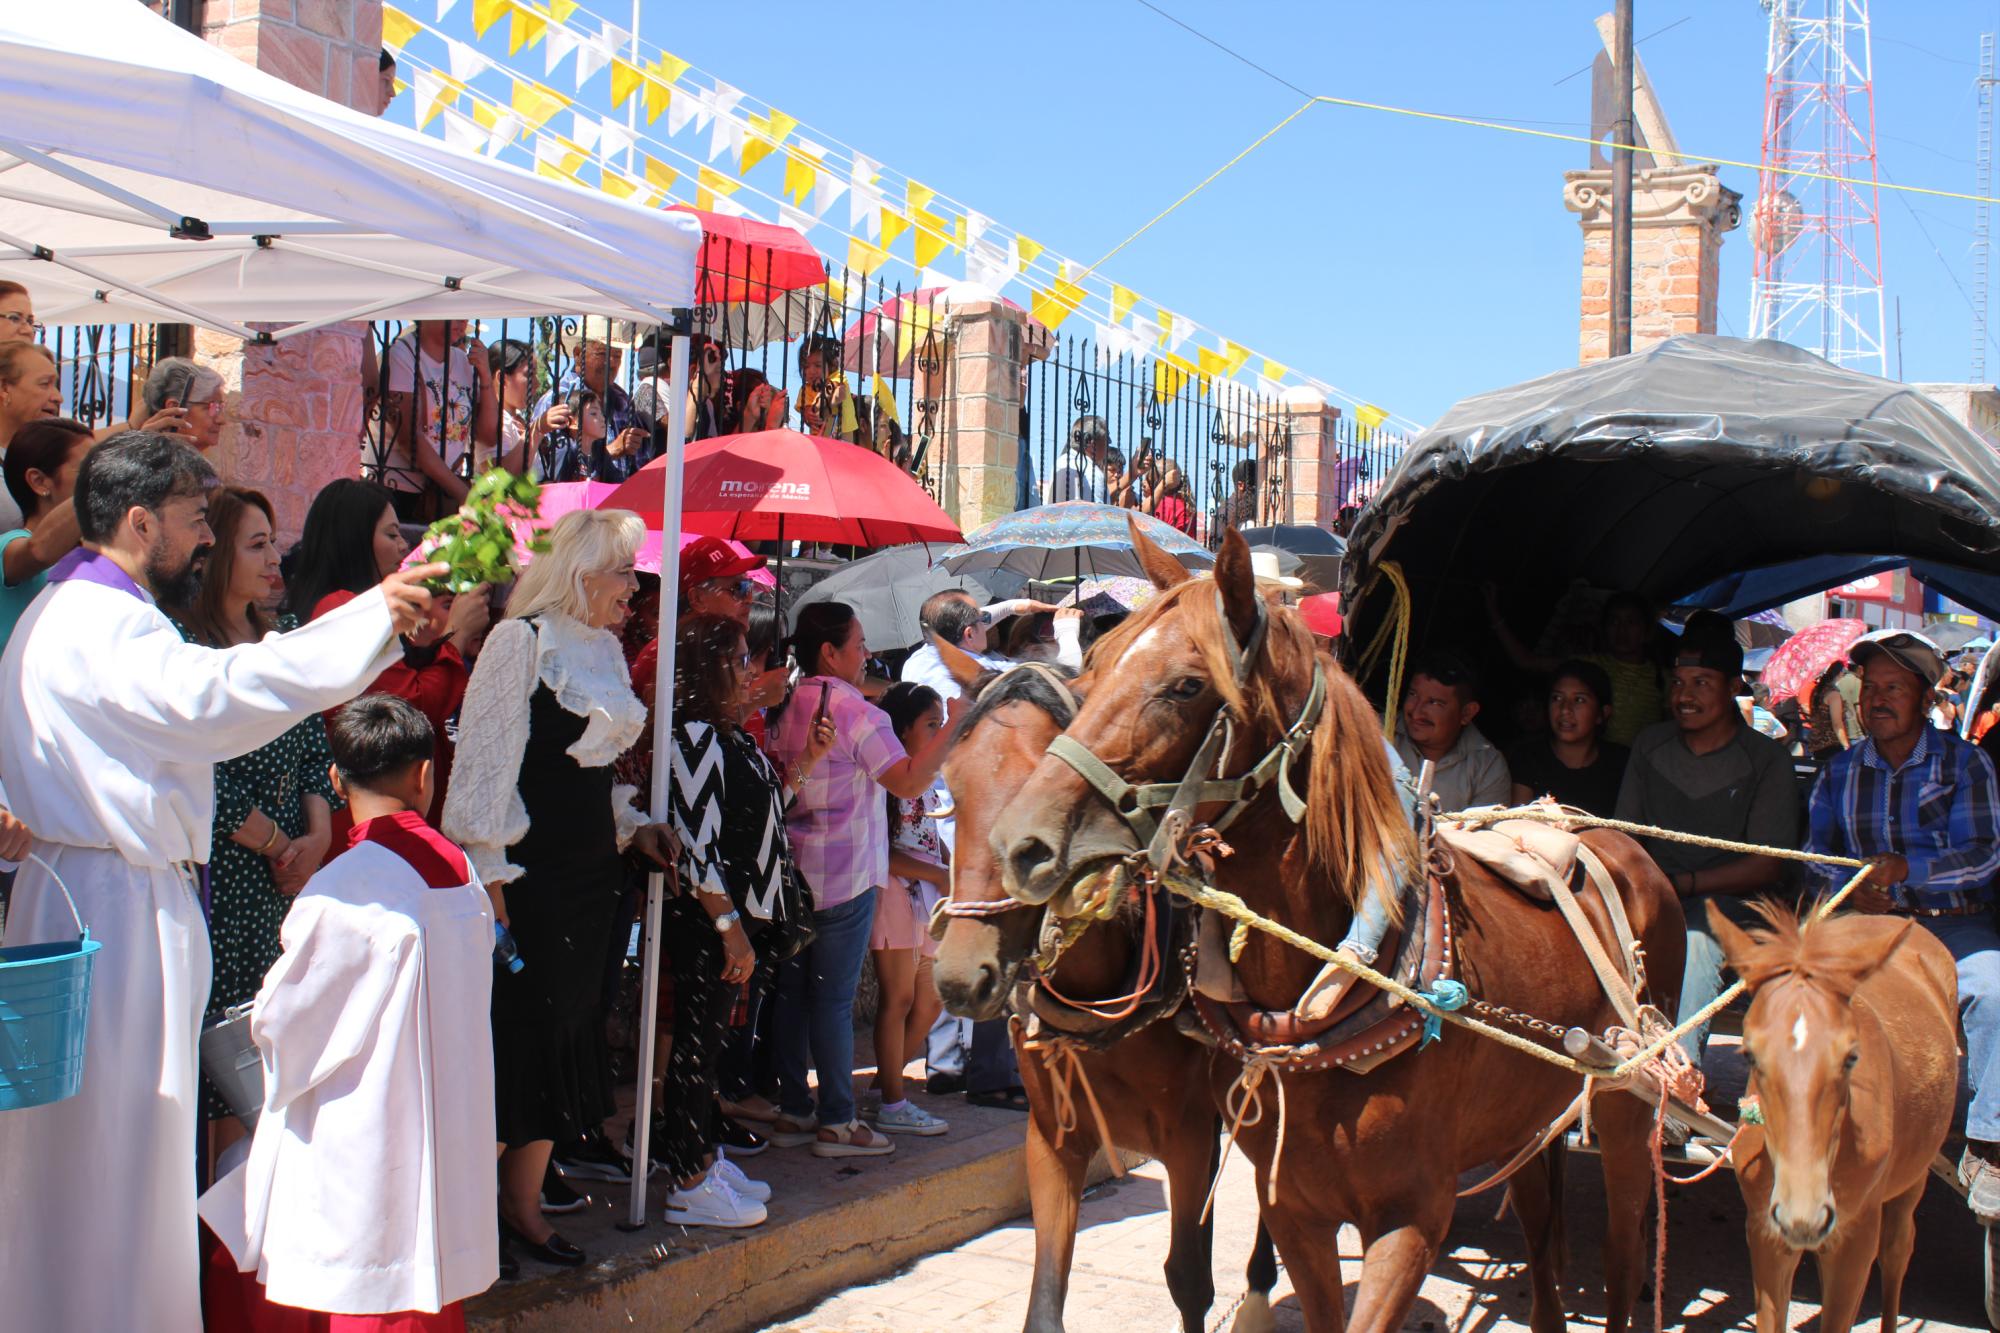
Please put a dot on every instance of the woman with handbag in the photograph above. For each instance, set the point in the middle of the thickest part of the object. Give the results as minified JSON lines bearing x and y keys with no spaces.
{"x":728,"y":808}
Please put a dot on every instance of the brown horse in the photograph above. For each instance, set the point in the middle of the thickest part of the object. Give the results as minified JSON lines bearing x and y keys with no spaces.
{"x":1852,"y":1042}
{"x":1151,"y":1086}
{"x":1383,"y":1151}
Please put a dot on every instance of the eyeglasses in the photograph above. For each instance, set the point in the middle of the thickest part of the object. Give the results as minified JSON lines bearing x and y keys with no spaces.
{"x":17,"y":319}
{"x":740,"y":589}
{"x":712,"y":355}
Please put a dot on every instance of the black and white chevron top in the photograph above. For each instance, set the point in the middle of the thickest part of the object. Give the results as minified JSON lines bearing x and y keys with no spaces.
{"x":727,"y":806}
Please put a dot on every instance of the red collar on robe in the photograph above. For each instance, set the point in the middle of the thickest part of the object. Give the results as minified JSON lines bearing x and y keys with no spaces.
{"x":431,"y":854}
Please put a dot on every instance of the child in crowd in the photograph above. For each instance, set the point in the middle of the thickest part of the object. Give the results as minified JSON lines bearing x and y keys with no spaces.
{"x":900,"y":940}
{"x":367,"y":1200}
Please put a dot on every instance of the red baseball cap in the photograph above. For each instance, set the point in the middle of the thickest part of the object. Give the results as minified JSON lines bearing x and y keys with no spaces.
{"x":713,"y":558}
{"x":1321,"y":612}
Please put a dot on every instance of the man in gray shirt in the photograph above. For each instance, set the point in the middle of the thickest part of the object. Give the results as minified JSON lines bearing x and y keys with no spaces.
{"x":1438,"y":709}
{"x":1705,"y":771}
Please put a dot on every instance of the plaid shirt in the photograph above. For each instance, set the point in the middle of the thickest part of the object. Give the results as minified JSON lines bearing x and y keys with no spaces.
{"x":839,"y":821}
{"x":1940,"y":811}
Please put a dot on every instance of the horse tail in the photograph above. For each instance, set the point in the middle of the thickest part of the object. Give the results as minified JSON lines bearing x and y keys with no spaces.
{"x":1356,"y":834}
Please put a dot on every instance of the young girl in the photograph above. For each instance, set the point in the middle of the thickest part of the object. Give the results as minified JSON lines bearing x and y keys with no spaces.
{"x":900,"y":941}
{"x":573,"y":453}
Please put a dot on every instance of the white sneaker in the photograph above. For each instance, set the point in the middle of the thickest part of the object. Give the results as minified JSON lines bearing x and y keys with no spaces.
{"x":713,"y":1204}
{"x":910,"y":1119}
{"x":754,"y":1190}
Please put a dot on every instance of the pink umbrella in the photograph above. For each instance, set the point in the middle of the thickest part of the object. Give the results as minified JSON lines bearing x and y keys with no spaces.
{"x":559,"y":497}
{"x":889,"y":339}
{"x":1802,"y":659}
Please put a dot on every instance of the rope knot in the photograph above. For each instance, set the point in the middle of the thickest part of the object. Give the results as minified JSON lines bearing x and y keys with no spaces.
{"x":1446,"y":994}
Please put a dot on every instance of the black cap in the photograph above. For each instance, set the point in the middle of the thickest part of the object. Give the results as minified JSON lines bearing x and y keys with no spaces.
{"x":1710,"y":647}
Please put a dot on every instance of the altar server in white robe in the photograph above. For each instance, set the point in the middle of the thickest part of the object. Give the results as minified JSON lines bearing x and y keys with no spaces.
{"x":369,"y":1185}
{"x":110,"y":724}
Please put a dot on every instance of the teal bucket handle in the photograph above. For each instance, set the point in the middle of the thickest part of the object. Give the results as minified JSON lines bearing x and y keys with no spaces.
{"x":82,"y":931}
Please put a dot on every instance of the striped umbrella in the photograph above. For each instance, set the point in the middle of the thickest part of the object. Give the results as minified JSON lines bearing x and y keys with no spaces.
{"x":1071,"y":539}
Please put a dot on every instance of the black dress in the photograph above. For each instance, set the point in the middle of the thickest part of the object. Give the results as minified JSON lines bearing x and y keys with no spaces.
{"x":551,"y":1064}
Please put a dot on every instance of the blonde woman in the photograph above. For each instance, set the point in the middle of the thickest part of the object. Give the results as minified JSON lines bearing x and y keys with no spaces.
{"x":533,"y":803}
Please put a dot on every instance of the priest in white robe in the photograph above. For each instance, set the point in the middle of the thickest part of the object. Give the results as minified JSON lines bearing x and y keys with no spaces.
{"x":110,"y":724}
{"x":369,"y":1185}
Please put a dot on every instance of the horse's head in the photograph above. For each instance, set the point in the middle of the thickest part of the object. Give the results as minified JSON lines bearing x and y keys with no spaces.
{"x":1014,"y":716}
{"x":1206,"y":685}
{"x":1802,"y":1044}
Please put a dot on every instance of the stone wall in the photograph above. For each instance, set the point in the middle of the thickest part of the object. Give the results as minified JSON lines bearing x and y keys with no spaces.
{"x":1679,"y":217}
{"x":294,"y":408}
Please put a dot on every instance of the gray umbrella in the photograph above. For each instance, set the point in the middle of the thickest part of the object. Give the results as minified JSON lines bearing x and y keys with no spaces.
{"x":888,"y":588}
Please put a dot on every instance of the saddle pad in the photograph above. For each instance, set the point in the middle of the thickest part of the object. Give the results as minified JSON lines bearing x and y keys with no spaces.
{"x":1355,"y":1038}
{"x":1534,"y":857}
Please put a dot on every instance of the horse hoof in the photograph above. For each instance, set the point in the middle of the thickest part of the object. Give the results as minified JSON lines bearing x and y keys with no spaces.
{"x":1254,"y":1315}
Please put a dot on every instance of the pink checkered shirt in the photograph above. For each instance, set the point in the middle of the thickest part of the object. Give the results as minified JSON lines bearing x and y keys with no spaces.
{"x":840,"y":822}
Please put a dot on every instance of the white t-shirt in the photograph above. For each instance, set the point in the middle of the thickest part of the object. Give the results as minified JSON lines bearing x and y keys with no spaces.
{"x":446,"y":408}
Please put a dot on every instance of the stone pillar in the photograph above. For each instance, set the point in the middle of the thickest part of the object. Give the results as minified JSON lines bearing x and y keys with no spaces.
{"x":294,"y":408}
{"x":1679,"y":216}
{"x":990,"y":345}
{"x":1315,"y":482}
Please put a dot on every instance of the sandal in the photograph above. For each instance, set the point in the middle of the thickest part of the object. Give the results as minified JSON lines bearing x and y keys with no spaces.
{"x":1000,"y":1099}
{"x":852,"y":1139}
{"x":787,"y":1132}
{"x":755,"y":1111}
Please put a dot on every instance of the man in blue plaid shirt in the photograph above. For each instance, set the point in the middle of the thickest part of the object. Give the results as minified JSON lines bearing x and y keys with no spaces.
{"x":1924,"y":807}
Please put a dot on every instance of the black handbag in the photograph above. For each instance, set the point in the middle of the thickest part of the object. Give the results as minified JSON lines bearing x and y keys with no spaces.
{"x":788,"y":934}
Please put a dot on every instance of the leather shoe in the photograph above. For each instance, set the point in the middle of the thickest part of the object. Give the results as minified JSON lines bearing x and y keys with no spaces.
{"x":555,"y":1250}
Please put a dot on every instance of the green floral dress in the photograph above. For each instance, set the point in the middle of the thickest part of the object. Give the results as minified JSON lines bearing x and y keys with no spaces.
{"x":245,"y":907}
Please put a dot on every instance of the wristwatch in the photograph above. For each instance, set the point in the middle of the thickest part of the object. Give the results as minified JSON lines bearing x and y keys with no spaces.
{"x":726,"y":922}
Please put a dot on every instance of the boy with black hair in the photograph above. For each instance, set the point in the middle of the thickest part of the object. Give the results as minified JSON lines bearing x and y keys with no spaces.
{"x":368,"y":1190}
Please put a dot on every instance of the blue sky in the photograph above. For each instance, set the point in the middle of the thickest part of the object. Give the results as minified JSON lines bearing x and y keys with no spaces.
{"x":1410,"y":263}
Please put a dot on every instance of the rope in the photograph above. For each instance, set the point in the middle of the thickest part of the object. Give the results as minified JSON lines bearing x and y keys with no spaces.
{"x":1244,"y":1103}
{"x":1061,"y":1063}
{"x":1577,"y":819}
{"x":1393,"y":634}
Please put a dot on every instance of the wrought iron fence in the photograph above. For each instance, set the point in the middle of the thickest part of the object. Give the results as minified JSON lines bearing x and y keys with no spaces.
{"x":1197,"y":450}
{"x":100,"y":368}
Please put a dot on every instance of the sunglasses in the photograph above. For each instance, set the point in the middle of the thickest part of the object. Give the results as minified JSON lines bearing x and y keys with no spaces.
{"x":740,"y":589}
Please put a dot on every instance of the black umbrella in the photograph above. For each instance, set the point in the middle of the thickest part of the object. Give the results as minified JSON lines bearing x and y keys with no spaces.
{"x":888,"y":588}
{"x":1298,"y":538}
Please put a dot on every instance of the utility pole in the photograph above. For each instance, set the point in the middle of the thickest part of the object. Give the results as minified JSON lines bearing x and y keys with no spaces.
{"x":1982,"y":234}
{"x":1624,"y":136}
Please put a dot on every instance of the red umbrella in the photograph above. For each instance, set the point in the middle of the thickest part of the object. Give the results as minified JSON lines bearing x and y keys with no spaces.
{"x":1798,"y":664}
{"x":755,"y":282}
{"x":780,"y":485}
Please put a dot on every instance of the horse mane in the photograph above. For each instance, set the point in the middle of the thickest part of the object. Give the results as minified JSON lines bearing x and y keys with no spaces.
{"x":1357,"y":837}
{"x":995,"y":688}
{"x":1825,"y":951}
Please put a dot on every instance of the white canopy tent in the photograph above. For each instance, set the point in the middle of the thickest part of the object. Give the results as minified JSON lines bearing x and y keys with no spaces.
{"x":154,"y":178}
{"x":146,"y":176}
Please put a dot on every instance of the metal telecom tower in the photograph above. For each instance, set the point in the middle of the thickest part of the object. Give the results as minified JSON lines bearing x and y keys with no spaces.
{"x":1818,"y":281}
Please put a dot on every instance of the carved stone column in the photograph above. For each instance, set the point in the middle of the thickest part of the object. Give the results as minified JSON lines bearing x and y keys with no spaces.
{"x":1679,"y":217}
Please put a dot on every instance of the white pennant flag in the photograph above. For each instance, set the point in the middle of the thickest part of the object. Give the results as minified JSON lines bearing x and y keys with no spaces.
{"x":827,"y":191}
{"x":1268,"y":388}
{"x":466,"y":63}
{"x":429,"y":86}
{"x":1147,"y":331}
{"x":728,"y":207}
{"x":871,"y":220}
{"x":584,"y":129}
{"x":796,"y":218}
{"x":591,"y":57}
{"x":930,"y":277}
{"x":463,"y":132}
{"x":976,"y":224}
{"x":727,"y":135}
{"x":864,"y":206}
{"x":615,"y":38}
{"x":986,"y":264}
{"x":445,"y":7}
{"x":1177,"y":336}
{"x":561,"y":41}
{"x":505,"y":130}
{"x":683,"y":107}
{"x":723,"y":100}
{"x":616,"y":139}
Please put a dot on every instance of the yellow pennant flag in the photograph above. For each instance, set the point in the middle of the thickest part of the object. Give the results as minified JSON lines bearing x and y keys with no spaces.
{"x":534,"y":104}
{"x":1029,"y":250}
{"x":757,"y":145}
{"x":885,"y":400}
{"x":933,"y":235}
{"x":671,"y":67}
{"x":915,"y":324}
{"x":894,"y":224}
{"x":836,"y":290}
{"x":659,"y":175}
{"x":709,"y":183}
{"x":1370,"y":416}
{"x":1234,"y":355}
{"x":1168,"y":380}
{"x":485,"y":114}
{"x":397,"y":28}
{"x":561,"y":10}
{"x":624,"y":80}
{"x":918,"y":197}
{"x":1166,"y":326}
{"x":1122,"y":300}
{"x":525,"y":27}
{"x":1186,"y":370}
{"x":801,"y":174}
{"x":1211,"y":363}
{"x":659,"y":93}
{"x":486,"y":12}
{"x":446,"y":94}
{"x":1050,"y":308}
{"x":613,"y":183}
{"x":1274,"y":371}
{"x":863,"y":258}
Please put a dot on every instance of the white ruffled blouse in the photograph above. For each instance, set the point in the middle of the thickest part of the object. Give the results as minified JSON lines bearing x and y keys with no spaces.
{"x":585,"y":669}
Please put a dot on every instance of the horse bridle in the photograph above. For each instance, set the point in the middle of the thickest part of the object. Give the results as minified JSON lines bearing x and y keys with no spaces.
{"x":1162,"y":838}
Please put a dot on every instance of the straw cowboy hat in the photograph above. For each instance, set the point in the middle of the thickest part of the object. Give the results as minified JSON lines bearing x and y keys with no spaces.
{"x":619,"y":333}
{"x":1264,"y":564}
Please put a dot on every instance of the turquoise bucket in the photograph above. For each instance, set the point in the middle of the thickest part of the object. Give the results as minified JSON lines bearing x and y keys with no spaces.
{"x":44,"y":1014}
